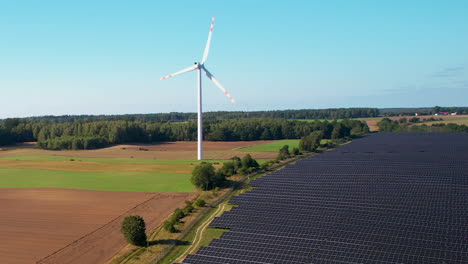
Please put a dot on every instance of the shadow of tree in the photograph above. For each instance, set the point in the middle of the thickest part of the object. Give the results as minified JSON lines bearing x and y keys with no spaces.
{"x":168,"y":242}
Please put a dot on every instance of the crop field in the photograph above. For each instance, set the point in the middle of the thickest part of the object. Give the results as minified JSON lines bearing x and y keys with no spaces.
{"x":83,"y":226}
{"x":74,"y":201}
{"x":372,"y":122}
{"x":461,"y":121}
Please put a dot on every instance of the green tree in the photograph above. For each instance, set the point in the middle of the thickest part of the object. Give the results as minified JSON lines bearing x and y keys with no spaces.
{"x":228,"y":169}
{"x":296,"y":151}
{"x":205,"y":178}
{"x":311,"y":142}
{"x":168,"y":226}
{"x":134,"y":228}
{"x":284,"y":153}
{"x":249,"y":162}
{"x":388,"y":125}
{"x":199,"y":203}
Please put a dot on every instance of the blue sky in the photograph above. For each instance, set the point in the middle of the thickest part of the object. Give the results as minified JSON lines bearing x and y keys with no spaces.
{"x":105,"y":57}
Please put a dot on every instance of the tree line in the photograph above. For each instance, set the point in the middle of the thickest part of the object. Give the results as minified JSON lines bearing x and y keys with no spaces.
{"x":332,"y":113}
{"x":388,"y":125}
{"x":423,"y":110}
{"x":90,"y":135}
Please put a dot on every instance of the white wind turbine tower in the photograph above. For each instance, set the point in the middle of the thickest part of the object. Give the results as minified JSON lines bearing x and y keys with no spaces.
{"x":200,"y":66}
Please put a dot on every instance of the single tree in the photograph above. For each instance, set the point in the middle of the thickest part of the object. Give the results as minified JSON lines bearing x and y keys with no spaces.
{"x":134,"y":228}
{"x":249,"y":162}
{"x":284,"y":153}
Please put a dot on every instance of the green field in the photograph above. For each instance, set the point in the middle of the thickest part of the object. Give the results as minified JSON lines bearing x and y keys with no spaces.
{"x":111,"y":160}
{"x":274,"y":146}
{"x":103,"y":181}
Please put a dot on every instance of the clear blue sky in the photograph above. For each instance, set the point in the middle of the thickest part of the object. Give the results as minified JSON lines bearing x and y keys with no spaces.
{"x":105,"y":57}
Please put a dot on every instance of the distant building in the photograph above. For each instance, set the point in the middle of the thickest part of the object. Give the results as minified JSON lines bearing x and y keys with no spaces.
{"x":444,"y":113}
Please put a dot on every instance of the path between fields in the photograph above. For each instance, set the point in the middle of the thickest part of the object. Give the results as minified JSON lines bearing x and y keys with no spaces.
{"x":199,"y":234}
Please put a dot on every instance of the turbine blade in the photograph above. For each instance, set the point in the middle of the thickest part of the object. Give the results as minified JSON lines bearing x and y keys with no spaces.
{"x":208,"y":42}
{"x":212,"y":78}
{"x":191,"y":68}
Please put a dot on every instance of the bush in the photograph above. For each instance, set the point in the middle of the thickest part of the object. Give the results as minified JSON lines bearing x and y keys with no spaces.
{"x":134,"y":228}
{"x":199,"y":203}
{"x":188,"y":209}
{"x":296,"y":151}
{"x":168,"y":226}
{"x":229,"y":168}
{"x":178,"y":214}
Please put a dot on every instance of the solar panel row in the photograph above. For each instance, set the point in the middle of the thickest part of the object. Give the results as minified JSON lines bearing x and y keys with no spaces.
{"x":384,"y":198}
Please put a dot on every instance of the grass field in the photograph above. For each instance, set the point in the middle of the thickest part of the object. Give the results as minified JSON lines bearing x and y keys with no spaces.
{"x":274,"y":146}
{"x":118,"y":168}
{"x":110,"y":160}
{"x":100,"y":181}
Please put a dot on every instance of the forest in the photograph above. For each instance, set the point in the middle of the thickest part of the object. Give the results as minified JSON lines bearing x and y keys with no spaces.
{"x":97,"y":134}
{"x":333,"y":113}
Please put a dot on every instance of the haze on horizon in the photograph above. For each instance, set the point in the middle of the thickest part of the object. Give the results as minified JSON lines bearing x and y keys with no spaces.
{"x":106,"y":57}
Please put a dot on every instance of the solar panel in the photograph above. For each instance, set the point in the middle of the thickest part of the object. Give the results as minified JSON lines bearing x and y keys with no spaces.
{"x":384,"y":198}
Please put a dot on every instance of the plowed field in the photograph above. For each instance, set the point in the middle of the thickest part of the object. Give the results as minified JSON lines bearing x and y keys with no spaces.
{"x":80,"y":226}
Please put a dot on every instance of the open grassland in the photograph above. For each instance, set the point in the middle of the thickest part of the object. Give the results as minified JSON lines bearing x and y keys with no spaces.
{"x":102,"y":181}
{"x":274,"y":146}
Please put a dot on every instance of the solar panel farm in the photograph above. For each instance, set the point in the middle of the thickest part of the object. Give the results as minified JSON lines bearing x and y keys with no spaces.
{"x":384,"y":198}
{"x":322,"y":132}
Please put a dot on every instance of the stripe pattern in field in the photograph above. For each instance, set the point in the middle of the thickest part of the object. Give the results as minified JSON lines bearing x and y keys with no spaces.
{"x":386,"y":198}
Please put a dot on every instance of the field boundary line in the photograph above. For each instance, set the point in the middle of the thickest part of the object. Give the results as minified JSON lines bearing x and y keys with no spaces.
{"x":96,"y":230}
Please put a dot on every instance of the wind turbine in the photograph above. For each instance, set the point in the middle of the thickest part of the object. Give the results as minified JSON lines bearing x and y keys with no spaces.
{"x":200,"y":66}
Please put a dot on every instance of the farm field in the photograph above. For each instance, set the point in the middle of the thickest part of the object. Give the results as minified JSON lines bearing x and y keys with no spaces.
{"x":274,"y":146}
{"x":461,"y":121}
{"x":74,"y":201}
{"x":372,"y":122}
{"x":37,"y":222}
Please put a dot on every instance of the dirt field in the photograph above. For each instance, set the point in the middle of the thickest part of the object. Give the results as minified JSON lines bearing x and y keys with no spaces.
{"x":372,"y":123}
{"x":180,"y":150}
{"x":80,"y":226}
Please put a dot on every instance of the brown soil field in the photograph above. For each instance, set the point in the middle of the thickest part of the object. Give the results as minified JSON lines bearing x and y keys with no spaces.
{"x":180,"y":150}
{"x":74,"y":226}
{"x":372,"y":123}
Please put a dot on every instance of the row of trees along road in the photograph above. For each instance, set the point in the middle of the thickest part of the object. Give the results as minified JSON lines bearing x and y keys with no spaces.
{"x":90,"y":135}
